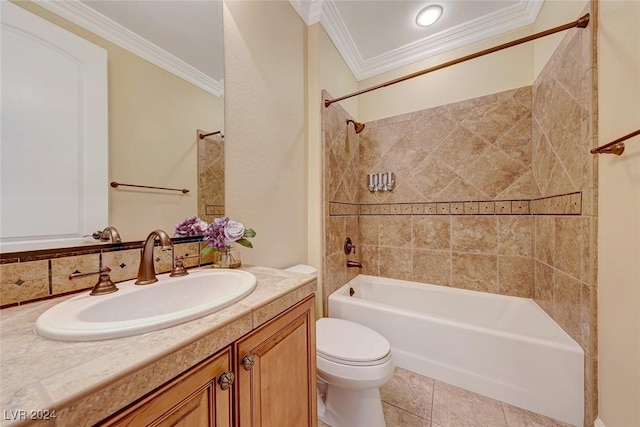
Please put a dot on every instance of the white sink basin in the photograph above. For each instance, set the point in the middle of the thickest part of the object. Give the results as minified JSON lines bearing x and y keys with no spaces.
{"x":136,"y":309}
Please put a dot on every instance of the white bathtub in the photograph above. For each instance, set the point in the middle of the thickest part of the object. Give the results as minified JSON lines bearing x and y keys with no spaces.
{"x":503,"y":347}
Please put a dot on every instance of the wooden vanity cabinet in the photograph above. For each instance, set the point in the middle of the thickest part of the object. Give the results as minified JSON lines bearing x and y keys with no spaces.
{"x":276,"y":371}
{"x":193,"y":399}
{"x":275,"y":382}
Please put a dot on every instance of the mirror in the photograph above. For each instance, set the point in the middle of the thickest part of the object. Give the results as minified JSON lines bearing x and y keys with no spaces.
{"x":156,"y":107}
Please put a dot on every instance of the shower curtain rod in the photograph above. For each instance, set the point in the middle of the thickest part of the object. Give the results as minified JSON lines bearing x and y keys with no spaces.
{"x":580,"y":23}
{"x":615,"y":147}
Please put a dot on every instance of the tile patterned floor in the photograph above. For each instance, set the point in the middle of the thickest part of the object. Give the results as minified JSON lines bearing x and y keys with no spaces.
{"x":411,"y":400}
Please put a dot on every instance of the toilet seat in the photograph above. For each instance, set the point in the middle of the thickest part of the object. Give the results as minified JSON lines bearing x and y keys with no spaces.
{"x":355,"y":362}
{"x":349,"y":343}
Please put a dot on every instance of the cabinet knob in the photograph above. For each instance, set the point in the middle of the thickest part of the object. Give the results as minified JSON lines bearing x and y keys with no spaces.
{"x":248,"y":361}
{"x":226,"y":379}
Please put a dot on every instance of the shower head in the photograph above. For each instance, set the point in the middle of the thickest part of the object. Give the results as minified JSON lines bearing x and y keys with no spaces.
{"x":356,"y":125}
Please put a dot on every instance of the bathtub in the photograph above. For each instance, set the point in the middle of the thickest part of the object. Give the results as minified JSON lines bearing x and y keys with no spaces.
{"x":499,"y":346}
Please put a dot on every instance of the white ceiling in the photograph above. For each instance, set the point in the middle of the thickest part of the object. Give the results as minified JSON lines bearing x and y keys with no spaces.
{"x":378,"y":27}
{"x":373,"y":36}
{"x":189,"y":29}
{"x":184,"y":37}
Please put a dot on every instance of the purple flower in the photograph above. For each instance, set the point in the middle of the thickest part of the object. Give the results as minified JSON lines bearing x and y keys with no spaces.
{"x":214,"y":234}
{"x":223,"y":232}
{"x":191,"y":226}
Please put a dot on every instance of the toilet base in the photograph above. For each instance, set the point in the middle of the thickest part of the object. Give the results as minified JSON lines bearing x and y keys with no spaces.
{"x":353,"y":408}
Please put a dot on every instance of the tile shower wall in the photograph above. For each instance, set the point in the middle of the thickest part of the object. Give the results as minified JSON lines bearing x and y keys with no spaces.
{"x":340,"y":184}
{"x":479,"y":149}
{"x":461,"y":212}
{"x":462,"y":171}
{"x":210,"y":176}
{"x":31,"y":276}
{"x":565,"y":247}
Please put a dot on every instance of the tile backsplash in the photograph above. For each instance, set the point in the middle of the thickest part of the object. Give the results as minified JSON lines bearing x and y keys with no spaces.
{"x":24,"y":281}
{"x":31,"y":276}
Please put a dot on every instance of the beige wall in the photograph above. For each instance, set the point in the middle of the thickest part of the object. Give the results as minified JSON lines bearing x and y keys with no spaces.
{"x":508,"y":69}
{"x":314,"y":160}
{"x":266,"y":172}
{"x":335,"y":75}
{"x":153,"y":117}
{"x":619,"y":207}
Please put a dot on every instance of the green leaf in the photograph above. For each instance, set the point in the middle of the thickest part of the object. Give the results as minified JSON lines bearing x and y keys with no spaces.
{"x":244,"y":242}
{"x":206,"y":251}
{"x":248,"y":232}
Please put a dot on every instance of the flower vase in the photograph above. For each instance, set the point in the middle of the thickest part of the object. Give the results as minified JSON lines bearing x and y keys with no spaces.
{"x":228,"y":257}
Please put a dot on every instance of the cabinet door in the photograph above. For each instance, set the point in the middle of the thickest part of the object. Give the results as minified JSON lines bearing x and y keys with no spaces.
{"x":276,"y":371}
{"x":193,"y":399}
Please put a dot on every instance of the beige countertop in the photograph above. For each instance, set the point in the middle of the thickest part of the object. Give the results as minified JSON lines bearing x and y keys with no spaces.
{"x":83,"y":382}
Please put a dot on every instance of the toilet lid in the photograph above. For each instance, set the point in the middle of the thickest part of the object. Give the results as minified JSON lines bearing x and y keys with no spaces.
{"x":340,"y":339}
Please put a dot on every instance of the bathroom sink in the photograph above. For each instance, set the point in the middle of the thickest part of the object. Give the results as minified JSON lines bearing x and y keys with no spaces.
{"x":136,"y":309}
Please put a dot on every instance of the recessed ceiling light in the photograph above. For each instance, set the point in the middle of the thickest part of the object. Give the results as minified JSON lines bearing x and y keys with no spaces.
{"x":429,"y":15}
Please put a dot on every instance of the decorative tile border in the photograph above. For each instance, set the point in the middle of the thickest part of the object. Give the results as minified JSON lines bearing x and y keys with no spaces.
{"x":37,"y":275}
{"x":563,"y":204}
{"x":44,"y":254}
{"x":343,"y":209}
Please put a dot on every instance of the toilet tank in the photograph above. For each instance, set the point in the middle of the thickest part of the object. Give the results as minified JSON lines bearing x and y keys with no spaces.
{"x":303,"y":268}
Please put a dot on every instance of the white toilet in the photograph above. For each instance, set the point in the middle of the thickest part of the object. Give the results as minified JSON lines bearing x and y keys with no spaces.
{"x":353,"y":362}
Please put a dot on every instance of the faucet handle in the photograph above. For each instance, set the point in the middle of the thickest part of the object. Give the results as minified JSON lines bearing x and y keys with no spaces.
{"x":79,"y":275}
{"x":349,"y":246}
{"x":109,"y":233}
{"x":104,"y":285}
{"x":179,"y":268}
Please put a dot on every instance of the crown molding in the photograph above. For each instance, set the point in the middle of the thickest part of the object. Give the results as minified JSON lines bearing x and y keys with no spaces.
{"x":339,"y":34}
{"x":309,"y":10}
{"x":518,"y":15}
{"x":301,"y":7}
{"x":315,"y":11}
{"x":91,"y":20}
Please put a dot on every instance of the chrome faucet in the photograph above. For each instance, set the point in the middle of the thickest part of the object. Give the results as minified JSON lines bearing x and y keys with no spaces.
{"x":109,"y":233}
{"x":354,"y":264}
{"x":147,"y":271}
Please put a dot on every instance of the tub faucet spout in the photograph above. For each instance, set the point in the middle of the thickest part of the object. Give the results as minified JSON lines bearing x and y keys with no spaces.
{"x":354,"y":264}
